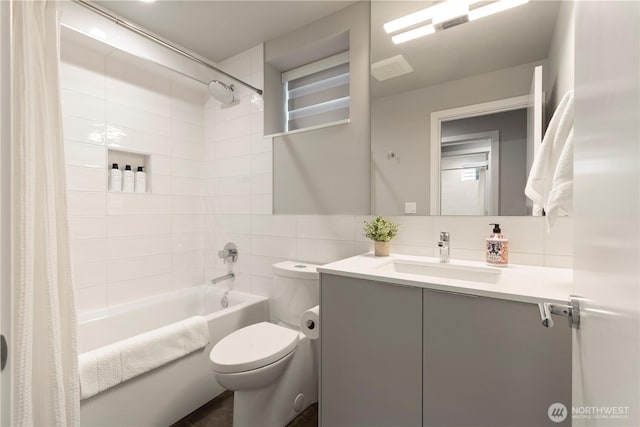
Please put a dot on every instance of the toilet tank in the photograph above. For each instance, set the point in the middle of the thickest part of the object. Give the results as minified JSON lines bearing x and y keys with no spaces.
{"x":295,"y":290}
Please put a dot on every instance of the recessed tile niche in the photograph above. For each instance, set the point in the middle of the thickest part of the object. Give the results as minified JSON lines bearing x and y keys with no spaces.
{"x":124,"y":158}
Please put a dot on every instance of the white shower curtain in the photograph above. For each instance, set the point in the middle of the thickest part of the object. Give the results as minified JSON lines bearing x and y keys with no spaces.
{"x":45,"y":387}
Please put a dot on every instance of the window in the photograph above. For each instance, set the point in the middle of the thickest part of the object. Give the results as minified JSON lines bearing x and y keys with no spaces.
{"x":317,"y":93}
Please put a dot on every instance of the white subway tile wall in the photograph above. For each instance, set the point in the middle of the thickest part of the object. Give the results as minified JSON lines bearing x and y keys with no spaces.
{"x":212,"y":183}
{"x":129,"y":246}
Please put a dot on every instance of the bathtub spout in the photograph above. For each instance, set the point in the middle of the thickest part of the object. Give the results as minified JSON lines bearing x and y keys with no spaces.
{"x":222,"y":278}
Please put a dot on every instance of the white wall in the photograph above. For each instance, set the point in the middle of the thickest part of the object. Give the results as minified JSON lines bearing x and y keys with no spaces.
{"x":561,"y":57}
{"x":129,"y":246}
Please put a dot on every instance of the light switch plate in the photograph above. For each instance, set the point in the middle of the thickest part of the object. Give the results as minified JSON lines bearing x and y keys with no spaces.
{"x":410,"y":207}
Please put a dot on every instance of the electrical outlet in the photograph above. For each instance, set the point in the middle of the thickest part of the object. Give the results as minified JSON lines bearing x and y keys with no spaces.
{"x":410,"y":207}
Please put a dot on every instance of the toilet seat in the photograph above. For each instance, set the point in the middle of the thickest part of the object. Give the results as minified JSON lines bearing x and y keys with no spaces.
{"x":253,"y":347}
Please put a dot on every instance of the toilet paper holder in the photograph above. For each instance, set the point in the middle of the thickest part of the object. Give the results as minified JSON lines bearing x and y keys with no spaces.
{"x":311,"y":324}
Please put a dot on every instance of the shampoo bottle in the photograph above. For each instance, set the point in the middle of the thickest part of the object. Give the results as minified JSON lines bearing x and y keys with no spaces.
{"x":127,"y":180}
{"x":497,"y":248}
{"x":141,"y":180}
{"x":115,"y":179}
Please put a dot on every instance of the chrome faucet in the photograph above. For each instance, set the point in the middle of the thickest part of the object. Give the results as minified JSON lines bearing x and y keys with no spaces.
{"x":443,"y":244}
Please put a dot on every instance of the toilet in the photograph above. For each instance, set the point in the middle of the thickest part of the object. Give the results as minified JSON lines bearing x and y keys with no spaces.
{"x":272,"y":366}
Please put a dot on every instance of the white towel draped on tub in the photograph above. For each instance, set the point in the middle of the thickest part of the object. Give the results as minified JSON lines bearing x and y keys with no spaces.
{"x":112,"y":364}
{"x":100,"y":369}
{"x":550,"y":182}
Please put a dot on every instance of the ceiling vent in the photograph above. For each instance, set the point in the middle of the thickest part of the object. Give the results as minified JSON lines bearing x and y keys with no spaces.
{"x":390,"y":68}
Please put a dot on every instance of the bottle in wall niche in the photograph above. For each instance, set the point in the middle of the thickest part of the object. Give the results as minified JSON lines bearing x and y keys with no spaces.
{"x":497,"y":248}
{"x":127,"y":180}
{"x":141,"y":180}
{"x":115,"y":179}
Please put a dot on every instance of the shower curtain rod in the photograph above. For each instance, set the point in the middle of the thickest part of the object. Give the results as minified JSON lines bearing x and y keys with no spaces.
{"x":161,"y":42}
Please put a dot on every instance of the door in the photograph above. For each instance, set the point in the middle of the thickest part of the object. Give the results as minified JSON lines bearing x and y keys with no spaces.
{"x":5,"y":230}
{"x":463,"y":181}
{"x":607,"y":174}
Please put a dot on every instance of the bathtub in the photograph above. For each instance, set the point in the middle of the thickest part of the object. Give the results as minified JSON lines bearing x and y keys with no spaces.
{"x":164,"y":395}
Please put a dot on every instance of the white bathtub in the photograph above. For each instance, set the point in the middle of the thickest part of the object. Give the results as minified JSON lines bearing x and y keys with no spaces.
{"x":164,"y":395}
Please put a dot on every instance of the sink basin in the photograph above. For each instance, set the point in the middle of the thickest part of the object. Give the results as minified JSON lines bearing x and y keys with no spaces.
{"x":470,"y":273}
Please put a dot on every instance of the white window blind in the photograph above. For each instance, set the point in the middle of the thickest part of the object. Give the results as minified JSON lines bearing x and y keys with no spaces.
{"x":317,"y":93}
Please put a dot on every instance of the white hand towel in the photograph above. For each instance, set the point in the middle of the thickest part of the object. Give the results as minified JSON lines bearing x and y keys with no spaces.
{"x":100,"y":369}
{"x":552,"y":169}
{"x":561,"y":194}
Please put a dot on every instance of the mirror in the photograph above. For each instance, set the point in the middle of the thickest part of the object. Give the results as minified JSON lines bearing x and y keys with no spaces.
{"x":456,"y":114}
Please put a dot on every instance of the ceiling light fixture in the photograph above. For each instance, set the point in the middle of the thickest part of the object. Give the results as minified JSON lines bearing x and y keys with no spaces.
{"x":148,"y":1}
{"x":413,"y":34}
{"x":496,"y":7}
{"x":444,"y":11}
{"x":444,"y":15}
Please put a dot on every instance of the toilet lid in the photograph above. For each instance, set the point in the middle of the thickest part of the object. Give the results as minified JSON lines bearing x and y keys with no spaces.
{"x":253,"y":347}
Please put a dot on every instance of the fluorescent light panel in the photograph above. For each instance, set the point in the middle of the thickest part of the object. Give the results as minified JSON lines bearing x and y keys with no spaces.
{"x":413,"y":34}
{"x":449,"y":10}
{"x":444,"y":12}
{"x":441,"y":12}
{"x":496,"y":7}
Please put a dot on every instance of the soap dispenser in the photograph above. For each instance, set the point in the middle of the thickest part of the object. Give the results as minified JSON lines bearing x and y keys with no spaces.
{"x":497,"y":248}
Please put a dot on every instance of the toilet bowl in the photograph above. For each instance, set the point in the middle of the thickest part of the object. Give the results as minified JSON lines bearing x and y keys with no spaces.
{"x":272,"y":367}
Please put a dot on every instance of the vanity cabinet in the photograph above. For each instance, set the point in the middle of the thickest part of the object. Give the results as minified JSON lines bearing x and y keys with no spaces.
{"x":489,"y":362}
{"x":371,"y":353}
{"x":394,"y":355}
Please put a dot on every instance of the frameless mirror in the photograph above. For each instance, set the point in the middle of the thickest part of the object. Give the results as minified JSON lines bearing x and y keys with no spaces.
{"x":458,"y":111}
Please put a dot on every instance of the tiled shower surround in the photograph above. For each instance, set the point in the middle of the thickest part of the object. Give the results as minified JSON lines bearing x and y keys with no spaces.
{"x":211,"y":182}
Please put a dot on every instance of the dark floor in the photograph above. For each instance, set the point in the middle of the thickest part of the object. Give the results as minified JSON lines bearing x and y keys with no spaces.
{"x":219,"y":413}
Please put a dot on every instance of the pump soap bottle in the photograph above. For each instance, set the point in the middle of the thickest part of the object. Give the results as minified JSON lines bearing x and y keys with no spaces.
{"x":497,"y":248}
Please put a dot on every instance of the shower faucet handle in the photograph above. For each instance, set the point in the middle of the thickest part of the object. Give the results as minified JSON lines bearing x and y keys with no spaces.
{"x":230,"y":251}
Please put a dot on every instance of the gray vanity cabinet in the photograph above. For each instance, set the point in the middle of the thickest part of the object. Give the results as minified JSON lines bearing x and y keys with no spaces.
{"x":371,"y":353}
{"x":394,"y":356}
{"x":489,"y":362}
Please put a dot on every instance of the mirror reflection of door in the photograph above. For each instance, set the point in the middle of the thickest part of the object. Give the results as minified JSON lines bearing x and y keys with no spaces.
{"x":467,"y":176}
{"x":483,"y":164}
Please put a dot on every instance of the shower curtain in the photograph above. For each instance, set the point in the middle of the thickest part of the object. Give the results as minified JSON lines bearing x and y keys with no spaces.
{"x":45,"y":387}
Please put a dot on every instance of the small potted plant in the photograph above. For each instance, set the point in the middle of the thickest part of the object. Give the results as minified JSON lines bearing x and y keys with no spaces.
{"x":381,"y":231}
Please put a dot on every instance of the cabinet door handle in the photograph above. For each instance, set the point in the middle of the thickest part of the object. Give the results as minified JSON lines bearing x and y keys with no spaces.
{"x":440,"y":291}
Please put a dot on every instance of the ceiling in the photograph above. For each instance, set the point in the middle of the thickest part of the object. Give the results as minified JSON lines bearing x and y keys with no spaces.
{"x":218,"y":30}
{"x":513,"y":37}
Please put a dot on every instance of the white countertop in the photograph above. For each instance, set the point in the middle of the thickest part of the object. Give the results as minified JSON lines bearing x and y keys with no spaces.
{"x":523,"y":283}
